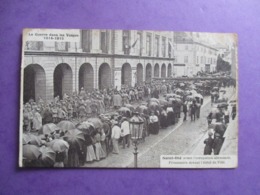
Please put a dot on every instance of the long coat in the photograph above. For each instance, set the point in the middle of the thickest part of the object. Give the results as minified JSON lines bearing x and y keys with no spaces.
{"x":208,"y":146}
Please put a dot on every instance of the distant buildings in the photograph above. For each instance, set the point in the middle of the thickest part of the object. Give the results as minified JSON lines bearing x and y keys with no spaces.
{"x":192,"y":56}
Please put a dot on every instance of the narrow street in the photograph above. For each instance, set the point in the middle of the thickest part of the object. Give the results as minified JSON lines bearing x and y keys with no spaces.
{"x":182,"y":138}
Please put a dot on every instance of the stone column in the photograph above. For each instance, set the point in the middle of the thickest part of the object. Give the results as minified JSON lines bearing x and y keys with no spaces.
{"x":118,"y":42}
{"x":117,"y":78}
{"x":134,"y":76}
{"x":95,"y":47}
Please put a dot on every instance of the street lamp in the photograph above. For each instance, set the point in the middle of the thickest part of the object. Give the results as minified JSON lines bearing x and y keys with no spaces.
{"x":136,"y":129}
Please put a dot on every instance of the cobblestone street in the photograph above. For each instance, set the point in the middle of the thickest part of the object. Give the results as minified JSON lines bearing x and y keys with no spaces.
{"x":181,"y":138}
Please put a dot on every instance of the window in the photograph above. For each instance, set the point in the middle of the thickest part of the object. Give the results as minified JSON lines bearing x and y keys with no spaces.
{"x":156,"y":46}
{"x":34,"y":45}
{"x":126,"y":41}
{"x":104,"y":40}
{"x":201,"y":59}
{"x":61,"y":46}
{"x":148,"y":45}
{"x":164,"y":47}
{"x":186,"y":59}
{"x":197,"y":59}
{"x":186,"y":47}
{"x":86,"y":40}
{"x":139,"y":43}
{"x":170,"y":48}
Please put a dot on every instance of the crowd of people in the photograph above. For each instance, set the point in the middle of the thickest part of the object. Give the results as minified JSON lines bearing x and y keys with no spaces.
{"x":99,"y":141}
{"x":218,"y":120}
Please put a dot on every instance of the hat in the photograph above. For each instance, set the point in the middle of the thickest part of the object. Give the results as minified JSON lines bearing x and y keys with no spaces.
{"x":114,"y":122}
{"x":210,"y":133}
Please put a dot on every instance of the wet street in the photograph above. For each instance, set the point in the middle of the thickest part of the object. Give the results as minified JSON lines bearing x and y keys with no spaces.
{"x":181,"y":138}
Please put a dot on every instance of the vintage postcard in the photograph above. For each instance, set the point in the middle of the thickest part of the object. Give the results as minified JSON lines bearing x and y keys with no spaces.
{"x":128,"y":99}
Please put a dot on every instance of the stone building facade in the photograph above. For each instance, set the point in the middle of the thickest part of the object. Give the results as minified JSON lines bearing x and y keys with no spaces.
{"x":98,"y":59}
{"x":192,"y":57}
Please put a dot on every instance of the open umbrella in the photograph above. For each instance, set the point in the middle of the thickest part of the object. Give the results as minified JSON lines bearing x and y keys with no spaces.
{"x":170,"y":100}
{"x":48,"y":155}
{"x":124,"y":111}
{"x":154,"y":106}
{"x":48,"y":128}
{"x":142,"y":109}
{"x":58,"y":145}
{"x":66,"y":125}
{"x":86,"y":127}
{"x":97,"y":123}
{"x":198,"y":96}
{"x":163,"y":102}
{"x":74,"y":137}
{"x":193,"y":92}
{"x":131,"y":107}
{"x":222,"y":105}
{"x":35,"y":140}
{"x":26,"y":139}
{"x":222,"y":90}
{"x":218,"y":127}
{"x":154,"y":100}
{"x":190,"y":98}
{"x":31,"y":152}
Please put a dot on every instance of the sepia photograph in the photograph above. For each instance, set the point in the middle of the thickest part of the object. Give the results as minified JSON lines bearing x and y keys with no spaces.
{"x":128,"y":99}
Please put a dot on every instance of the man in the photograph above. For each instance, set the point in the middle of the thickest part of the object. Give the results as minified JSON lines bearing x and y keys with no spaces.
{"x":37,"y":120}
{"x":208,"y":143}
{"x":125,"y":132}
{"x":193,"y":111}
{"x":185,"y":111}
{"x":217,"y":144}
{"x":116,"y":131}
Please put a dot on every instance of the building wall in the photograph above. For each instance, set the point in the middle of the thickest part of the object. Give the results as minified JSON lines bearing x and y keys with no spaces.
{"x":192,"y":57}
{"x":71,"y":56}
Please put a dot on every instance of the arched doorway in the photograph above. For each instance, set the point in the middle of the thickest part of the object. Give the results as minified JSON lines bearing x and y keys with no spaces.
{"x":86,"y":77}
{"x":62,"y":79}
{"x":126,"y":75}
{"x":156,"y":70}
{"x":163,"y":71}
{"x":139,"y":74}
{"x":169,"y":70}
{"x":34,"y":83}
{"x":104,"y":76}
{"x":148,"y":73}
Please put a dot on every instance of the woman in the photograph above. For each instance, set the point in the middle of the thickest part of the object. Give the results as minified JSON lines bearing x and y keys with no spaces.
{"x":37,"y":120}
{"x":208,"y":144}
{"x":170,"y":116}
{"x":153,"y":124}
{"x":103,"y":141}
{"x":163,"y":118}
{"x":73,"y":155}
{"x":99,"y":151}
{"x":226,"y":116}
{"x":90,"y":157}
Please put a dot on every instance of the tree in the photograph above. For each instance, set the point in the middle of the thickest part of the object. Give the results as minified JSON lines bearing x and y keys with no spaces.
{"x":222,"y":65}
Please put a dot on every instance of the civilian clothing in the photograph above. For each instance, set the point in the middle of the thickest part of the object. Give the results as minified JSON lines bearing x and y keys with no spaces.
{"x":125,"y":127}
{"x":116,"y":132}
{"x":153,"y":119}
{"x":115,"y":146}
